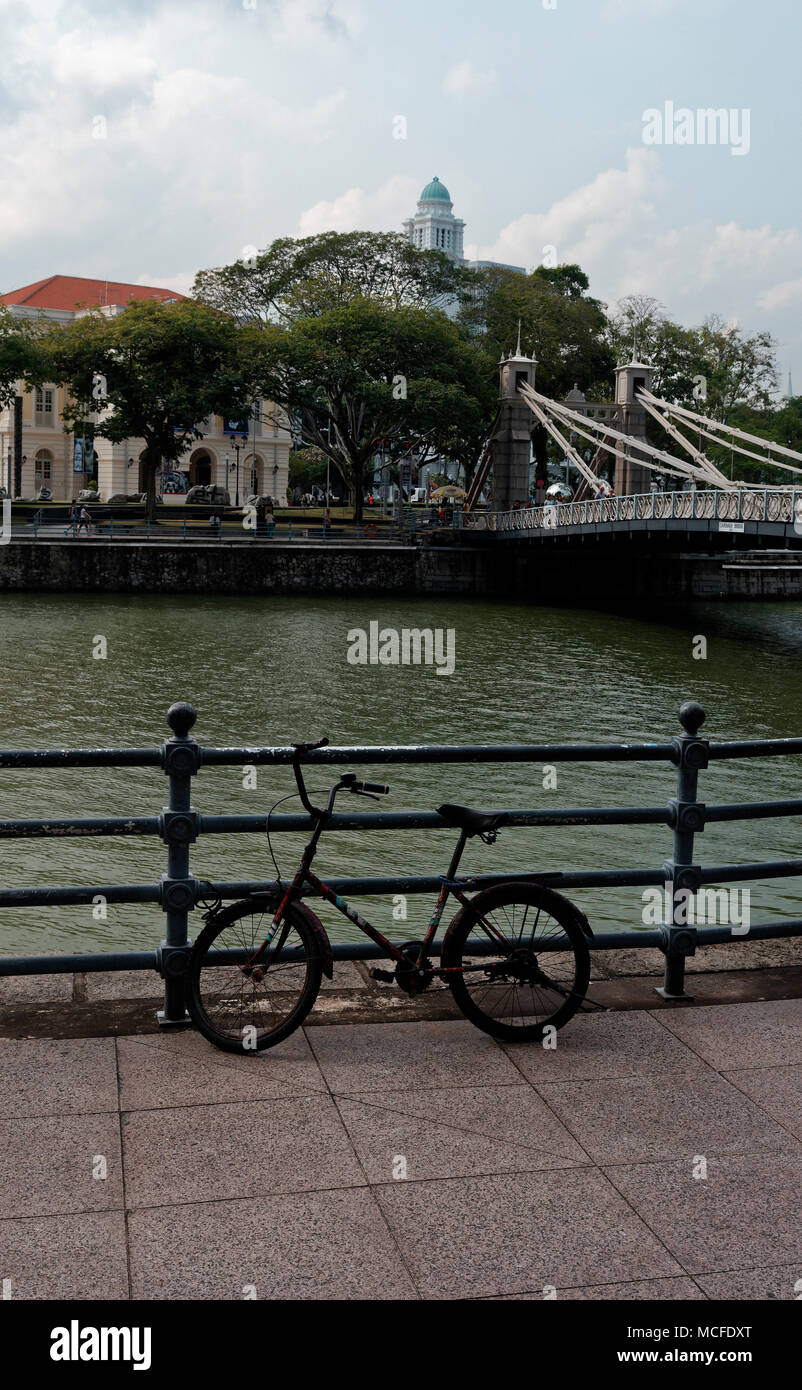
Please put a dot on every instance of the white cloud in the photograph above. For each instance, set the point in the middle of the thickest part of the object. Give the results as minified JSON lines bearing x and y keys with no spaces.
{"x":187,"y":150}
{"x":626,"y":9}
{"x":181,"y":282}
{"x":618,"y":228}
{"x":356,"y":209}
{"x":782,"y":296}
{"x":464,"y":80}
{"x":591,"y":221}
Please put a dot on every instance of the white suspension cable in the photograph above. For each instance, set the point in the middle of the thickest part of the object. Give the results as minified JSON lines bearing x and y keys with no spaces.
{"x":694,"y":418}
{"x":702,"y":460}
{"x":730,"y":442}
{"x":570,"y":452}
{"x":671,"y":464}
{"x":683,"y":470}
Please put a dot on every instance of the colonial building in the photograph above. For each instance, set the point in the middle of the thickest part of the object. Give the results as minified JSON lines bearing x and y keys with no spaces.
{"x":66,"y":463}
{"x":435,"y":228}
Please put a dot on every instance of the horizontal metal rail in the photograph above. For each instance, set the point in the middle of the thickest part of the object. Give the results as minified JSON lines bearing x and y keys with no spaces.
{"x":115,"y":962}
{"x":285,"y":823}
{"x":179,"y":825}
{"x":733,"y":506}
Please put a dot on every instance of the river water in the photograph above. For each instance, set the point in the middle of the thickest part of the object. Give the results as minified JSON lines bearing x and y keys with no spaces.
{"x":264,"y":671}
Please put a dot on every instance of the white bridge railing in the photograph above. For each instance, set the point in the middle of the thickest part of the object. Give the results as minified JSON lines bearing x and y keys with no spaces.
{"x":752,"y":504}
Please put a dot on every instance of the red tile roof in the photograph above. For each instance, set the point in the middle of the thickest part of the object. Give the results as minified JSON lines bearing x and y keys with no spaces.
{"x":72,"y":291}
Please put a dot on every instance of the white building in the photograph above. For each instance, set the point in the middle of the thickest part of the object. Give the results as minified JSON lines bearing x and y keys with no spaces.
{"x":435,"y":228}
{"x":58,"y":460}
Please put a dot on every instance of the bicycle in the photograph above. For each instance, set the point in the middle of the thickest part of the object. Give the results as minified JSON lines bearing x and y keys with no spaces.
{"x":255,"y":970}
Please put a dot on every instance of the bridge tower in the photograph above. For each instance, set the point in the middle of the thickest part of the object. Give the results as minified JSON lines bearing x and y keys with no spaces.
{"x":630,"y":476}
{"x":510,"y":446}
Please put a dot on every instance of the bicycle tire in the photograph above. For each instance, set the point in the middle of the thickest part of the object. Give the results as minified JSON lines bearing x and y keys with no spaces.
{"x":212,"y":999}
{"x":492,"y":1000}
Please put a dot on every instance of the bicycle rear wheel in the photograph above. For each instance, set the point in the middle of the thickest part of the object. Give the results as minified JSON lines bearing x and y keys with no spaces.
{"x":538,"y":970}
{"x":244,"y":1007}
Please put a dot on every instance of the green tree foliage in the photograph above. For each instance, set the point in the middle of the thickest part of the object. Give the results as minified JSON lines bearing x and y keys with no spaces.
{"x":711,"y":368}
{"x":296,"y":279}
{"x":21,"y":358}
{"x":366,"y":371}
{"x":561,"y":325}
{"x":154,"y":372}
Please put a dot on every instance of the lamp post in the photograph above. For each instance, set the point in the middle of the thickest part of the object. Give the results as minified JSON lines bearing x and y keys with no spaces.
{"x":238,"y":442}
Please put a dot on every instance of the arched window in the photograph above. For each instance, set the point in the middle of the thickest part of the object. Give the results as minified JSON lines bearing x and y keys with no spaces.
{"x":43,"y":466}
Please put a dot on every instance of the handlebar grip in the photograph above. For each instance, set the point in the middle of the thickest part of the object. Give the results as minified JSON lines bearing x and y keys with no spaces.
{"x":380,"y":788}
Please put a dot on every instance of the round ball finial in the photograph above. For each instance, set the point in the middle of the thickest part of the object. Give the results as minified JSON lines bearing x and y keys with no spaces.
{"x":181,"y":717}
{"x":691,"y":717}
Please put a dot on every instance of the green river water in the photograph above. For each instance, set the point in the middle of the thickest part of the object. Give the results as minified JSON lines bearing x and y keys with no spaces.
{"x":273,"y":670}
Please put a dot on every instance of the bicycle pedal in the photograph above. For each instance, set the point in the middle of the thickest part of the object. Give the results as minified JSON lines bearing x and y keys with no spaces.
{"x":384,"y":975}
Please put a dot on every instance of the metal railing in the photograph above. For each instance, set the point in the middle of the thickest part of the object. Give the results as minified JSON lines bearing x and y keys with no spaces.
{"x":179,"y":825}
{"x":782,"y":505}
{"x":194,"y":531}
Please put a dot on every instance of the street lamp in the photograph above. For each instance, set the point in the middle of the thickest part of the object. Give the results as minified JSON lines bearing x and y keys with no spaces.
{"x":238,"y":442}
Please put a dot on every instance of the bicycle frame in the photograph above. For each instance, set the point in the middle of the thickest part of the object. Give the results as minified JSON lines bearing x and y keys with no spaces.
{"x":451,"y":887}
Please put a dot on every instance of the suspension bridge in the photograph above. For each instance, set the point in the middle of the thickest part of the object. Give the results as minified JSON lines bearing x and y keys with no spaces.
{"x":628,"y":484}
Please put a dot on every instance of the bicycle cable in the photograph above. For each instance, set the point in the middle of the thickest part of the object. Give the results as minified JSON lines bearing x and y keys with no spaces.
{"x":315,"y":792}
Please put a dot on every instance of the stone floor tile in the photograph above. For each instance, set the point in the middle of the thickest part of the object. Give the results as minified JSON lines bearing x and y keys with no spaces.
{"x":317,"y":1245}
{"x":246,"y":1149}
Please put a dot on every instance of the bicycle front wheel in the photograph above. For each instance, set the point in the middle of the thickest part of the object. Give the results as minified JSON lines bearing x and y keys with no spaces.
{"x":242,"y":1005}
{"x":538,"y":967}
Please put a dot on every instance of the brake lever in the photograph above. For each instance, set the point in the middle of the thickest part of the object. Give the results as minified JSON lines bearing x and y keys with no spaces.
{"x":356,"y":792}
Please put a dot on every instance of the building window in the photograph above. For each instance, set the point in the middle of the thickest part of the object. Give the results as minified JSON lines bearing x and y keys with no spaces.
{"x":43,"y":406}
{"x":43,"y":466}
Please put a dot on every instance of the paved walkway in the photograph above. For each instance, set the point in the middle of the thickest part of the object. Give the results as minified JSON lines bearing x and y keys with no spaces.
{"x":653,"y":1153}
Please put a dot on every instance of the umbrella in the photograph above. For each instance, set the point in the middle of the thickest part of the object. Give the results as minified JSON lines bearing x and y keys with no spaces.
{"x":560,"y":491}
{"x":448,"y":493}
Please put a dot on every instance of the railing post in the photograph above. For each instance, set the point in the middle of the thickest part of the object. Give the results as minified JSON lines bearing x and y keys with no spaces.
{"x":178,"y":825}
{"x":678,"y":937}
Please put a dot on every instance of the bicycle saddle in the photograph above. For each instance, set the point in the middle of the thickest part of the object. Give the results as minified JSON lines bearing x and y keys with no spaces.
{"x":474,"y":822}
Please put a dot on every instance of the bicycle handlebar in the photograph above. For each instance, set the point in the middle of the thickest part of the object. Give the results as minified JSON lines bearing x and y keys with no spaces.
{"x":348,"y":782}
{"x":299,"y":750}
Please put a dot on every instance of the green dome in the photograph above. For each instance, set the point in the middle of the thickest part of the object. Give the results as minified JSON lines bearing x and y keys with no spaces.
{"x":435,"y":192}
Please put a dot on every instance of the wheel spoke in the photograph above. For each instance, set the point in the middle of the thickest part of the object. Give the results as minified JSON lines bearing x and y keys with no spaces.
{"x":227,"y":998}
{"x":537,"y":971}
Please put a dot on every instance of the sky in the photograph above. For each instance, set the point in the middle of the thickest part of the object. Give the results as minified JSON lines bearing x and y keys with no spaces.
{"x":144,"y":141}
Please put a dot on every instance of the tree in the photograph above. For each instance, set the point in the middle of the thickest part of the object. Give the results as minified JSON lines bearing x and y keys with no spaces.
{"x":21,"y":358}
{"x":295,"y":279}
{"x":363,"y":375}
{"x":710,"y":368}
{"x":561,"y":325}
{"x":154,"y":372}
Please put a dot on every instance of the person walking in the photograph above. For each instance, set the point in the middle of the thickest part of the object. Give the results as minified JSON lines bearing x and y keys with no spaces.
{"x":84,"y":519}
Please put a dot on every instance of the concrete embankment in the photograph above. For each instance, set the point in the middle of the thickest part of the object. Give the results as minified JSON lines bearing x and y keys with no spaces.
{"x":624,"y":573}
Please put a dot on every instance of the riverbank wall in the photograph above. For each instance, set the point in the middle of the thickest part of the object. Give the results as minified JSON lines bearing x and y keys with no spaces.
{"x":491,"y":569}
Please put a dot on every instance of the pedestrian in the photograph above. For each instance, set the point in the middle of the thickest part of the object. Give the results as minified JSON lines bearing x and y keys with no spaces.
{"x":84,"y":519}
